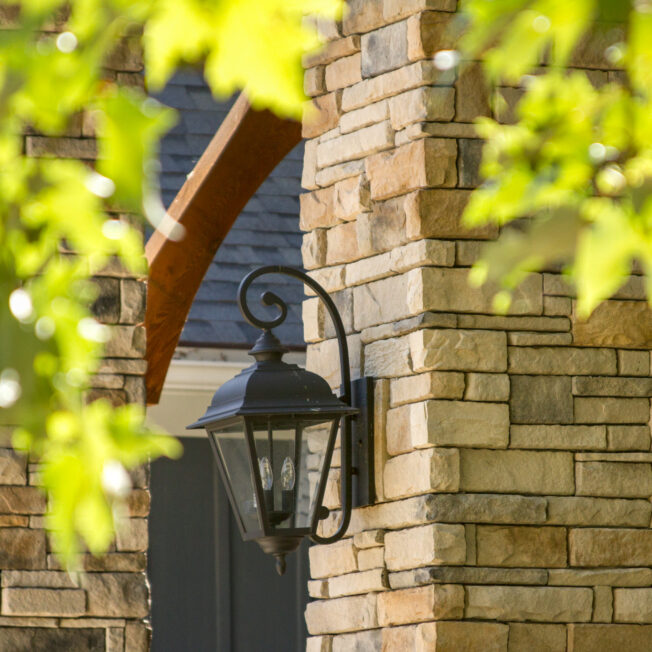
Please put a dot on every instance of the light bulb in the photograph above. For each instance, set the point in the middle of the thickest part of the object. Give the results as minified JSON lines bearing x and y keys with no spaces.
{"x":266,"y":476}
{"x":287,"y":475}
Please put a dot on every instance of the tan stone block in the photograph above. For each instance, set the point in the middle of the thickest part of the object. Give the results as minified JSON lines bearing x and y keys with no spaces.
{"x":547,"y":604}
{"x":539,"y":339}
{"x":521,"y":546}
{"x":441,"y":602}
{"x":40,"y":579}
{"x":391,"y":83}
{"x":461,"y":637}
{"x":472,"y":93}
{"x":565,"y":361}
{"x":556,"y":306}
{"x":384,"y":49}
{"x":436,"y":544}
{"x":343,"y":72}
{"x":137,"y":637}
{"x":602,"y":604}
{"x":318,"y":588}
{"x":380,"y":301}
{"x":132,"y":535}
{"x":341,"y":244}
{"x":132,"y":301}
{"x":633,"y":363}
{"x":331,"y":279}
{"x":625,"y":324}
{"x":369,"y":539}
{"x":422,"y":471}
{"x":536,"y":638}
{"x":487,"y":508}
{"x":458,"y":350}
{"x":606,"y":577}
{"x":329,"y":175}
{"x":433,"y":288}
{"x":363,"y":16}
{"x":371,"y":558}
{"x":422,"y":252}
{"x":387,"y":358}
{"x":321,"y":115}
{"x":367,"y":115}
{"x":608,"y":547}
{"x":355,"y":144}
{"x":12,"y":468}
{"x":558,"y":437}
{"x":633,"y":605}
{"x":397,"y":9}
{"x":46,"y":147}
{"x":317,"y":209}
{"x":538,"y":472}
{"x":368,"y":269}
{"x":615,"y":479}
{"x":133,"y":367}
{"x":513,"y":323}
{"x":407,"y":326}
{"x":336,"y":48}
{"x":429,"y":32}
{"x":122,"y":595}
{"x":43,"y":602}
{"x":619,"y":386}
{"x":319,"y":644}
{"x":420,"y":164}
{"x":487,"y":387}
{"x":357,"y":583}
{"x":11,"y":520}
{"x":21,"y":500}
{"x":126,"y":342}
{"x":434,"y":384}
{"x":313,"y":81}
{"x":628,"y":438}
{"x":369,"y":640}
{"x":341,"y":614}
{"x":309,"y":173}
{"x":612,"y":410}
{"x":333,"y":559}
{"x":399,"y":638}
{"x":594,"y":638}
{"x":429,"y":103}
{"x":599,"y":511}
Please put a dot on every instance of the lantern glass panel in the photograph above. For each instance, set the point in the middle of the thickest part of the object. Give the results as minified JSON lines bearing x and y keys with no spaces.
{"x":291,"y":457}
{"x":233,"y":453}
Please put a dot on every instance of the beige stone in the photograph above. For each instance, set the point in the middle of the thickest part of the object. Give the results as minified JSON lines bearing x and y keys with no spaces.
{"x":558,"y":437}
{"x":79,"y":148}
{"x":422,"y":252}
{"x":607,"y":547}
{"x":359,"y":641}
{"x":369,"y":539}
{"x":342,"y":614}
{"x":41,"y":579}
{"x":333,"y":559}
{"x":12,"y":468}
{"x":602,"y":604}
{"x":422,"y":471}
{"x":116,"y":595}
{"x":472,"y":94}
{"x":364,"y":117}
{"x":536,"y":638}
{"x":21,"y":500}
{"x":408,"y":325}
{"x":126,"y":342}
{"x":561,"y":361}
{"x":384,"y":49}
{"x":633,"y":605}
{"x":606,"y":577}
{"x":355,"y":144}
{"x":620,"y":386}
{"x":612,"y":410}
{"x":420,"y":164}
{"x":336,"y":48}
{"x":457,"y":349}
{"x":341,"y":244}
{"x":547,"y":604}
{"x":387,"y":358}
{"x":429,"y":103}
{"x":625,"y":324}
{"x":319,"y":644}
{"x":330,"y":175}
{"x":628,"y":438}
{"x":383,"y":229}
{"x":633,"y":363}
{"x":371,"y":558}
{"x":461,"y":637}
{"x":309,"y":172}
{"x":493,"y":322}
{"x":318,"y":588}
{"x":441,"y":602}
{"x":556,"y":306}
{"x":604,"y":638}
{"x":539,"y":472}
{"x":317,"y":209}
{"x":487,"y":387}
{"x":541,"y":399}
{"x":613,"y":479}
{"x":397,"y":514}
{"x":343,"y":72}
{"x":521,"y":546}
{"x":321,"y":115}
{"x":435,"y":384}
{"x":132,"y":535}
{"x":467,"y":575}
{"x":43,"y":602}
{"x":598,"y":511}
{"x":398,"y":638}
{"x":380,"y":301}
{"x":429,"y":32}
{"x":487,"y":508}
{"x":436,"y":544}
{"x":357,"y":583}
{"x":313,"y":81}
{"x":397,"y":9}
{"x":433,"y":288}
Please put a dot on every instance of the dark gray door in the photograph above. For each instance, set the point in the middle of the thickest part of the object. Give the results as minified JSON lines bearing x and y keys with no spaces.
{"x":210,"y":590}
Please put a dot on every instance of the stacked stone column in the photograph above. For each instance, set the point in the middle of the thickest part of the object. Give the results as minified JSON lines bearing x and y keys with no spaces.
{"x":513,"y":460}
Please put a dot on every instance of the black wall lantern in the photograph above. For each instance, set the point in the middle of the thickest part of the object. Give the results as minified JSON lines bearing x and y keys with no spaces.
{"x":273,"y":429}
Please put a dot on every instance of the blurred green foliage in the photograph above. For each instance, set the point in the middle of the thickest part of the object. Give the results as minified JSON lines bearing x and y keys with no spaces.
{"x":63,"y":220}
{"x":577,"y":161}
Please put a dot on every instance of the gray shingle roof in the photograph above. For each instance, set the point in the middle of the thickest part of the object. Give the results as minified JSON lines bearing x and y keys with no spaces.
{"x":266,"y":232}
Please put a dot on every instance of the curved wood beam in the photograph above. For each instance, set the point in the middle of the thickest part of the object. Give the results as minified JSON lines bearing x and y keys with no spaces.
{"x":243,"y":152}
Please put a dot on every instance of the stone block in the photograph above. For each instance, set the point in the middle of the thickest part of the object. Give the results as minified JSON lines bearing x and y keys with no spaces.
{"x":441,"y":602}
{"x":41,"y":579}
{"x":358,"y":642}
{"x":43,"y":602}
{"x":487,"y":387}
{"x":319,"y":644}
{"x":132,"y":535}
{"x":21,"y":500}
{"x":309,"y":173}
{"x":493,"y":322}
{"x":558,"y":437}
{"x":313,"y":249}
{"x":623,"y":324}
{"x":429,"y":32}
{"x":384,"y":49}
{"x":126,"y":342}
{"x":613,"y":479}
{"x":341,"y":244}
{"x":602,"y":604}
{"x":84,"y":149}
{"x":364,"y":117}
{"x":12,"y":468}
{"x":626,"y":438}
{"x":472,"y":94}
{"x":633,"y":363}
{"x":106,"y":307}
{"x":387,"y":358}
{"x":562,"y":361}
{"x":633,"y":605}
{"x":469,"y":162}
{"x":421,"y":253}
{"x":383,"y":229}
{"x":408,"y":325}
{"x":604,"y":638}
{"x":619,"y":386}
{"x":399,"y":638}
{"x":539,"y":339}
{"x":436,"y":544}
{"x":343,"y":72}
{"x":435,"y":384}
{"x":371,"y":558}
{"x":423,"y":471}
{"x":342,"y":614}
{"x":448,"y":290}
{"x":487,"y":508}
{"x":132,"y":301}
{"x":536,"y":638}
{"x":519,"y":603}
{"x":601,"y":577}
{"x":457,"y":349}
{"x":541,"y":399}
{"x":420,"y":164}
{"x":49,"y":638}
{"x":394,"y":515}
{"x":512,"y":471}
{"x":356,"y":583}
{"x":333,"y":559}
{"x":556,"y":306}
{"x":448,"y":636}
{"x":369,"y":539}
{"x":321,"y":115}
{"x":397,"y":9}
{"x":612,"y":410}
{"x":428,"y":103}
{"x":607,"y":547}
{"x":313,"y":81}
{"x":381,"y":301}
{"x":355,"y":144}
{"x":598,"y":511}
{"x":116,"y":595}
{"x":520,"y":546}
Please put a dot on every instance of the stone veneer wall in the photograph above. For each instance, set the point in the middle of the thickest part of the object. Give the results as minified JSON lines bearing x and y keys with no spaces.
{"x":42,"y":607}
{"x":513,"y":457}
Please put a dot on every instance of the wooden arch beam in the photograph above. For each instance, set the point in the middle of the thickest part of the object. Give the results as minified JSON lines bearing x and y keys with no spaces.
{"x":246,"y":148}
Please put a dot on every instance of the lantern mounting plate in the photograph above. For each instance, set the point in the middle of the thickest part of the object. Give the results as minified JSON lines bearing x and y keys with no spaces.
{"x":362,"y":440}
